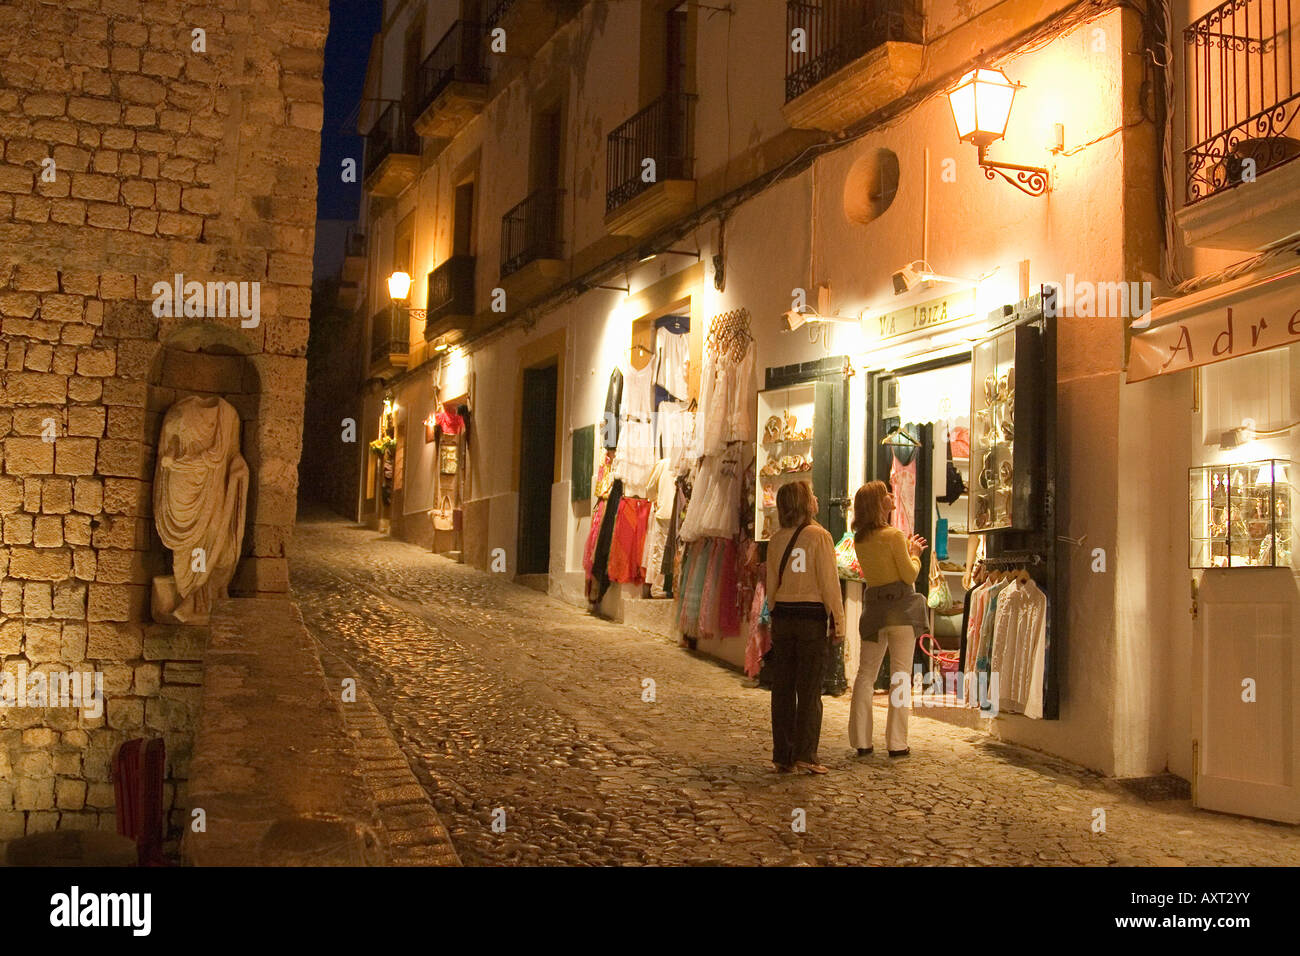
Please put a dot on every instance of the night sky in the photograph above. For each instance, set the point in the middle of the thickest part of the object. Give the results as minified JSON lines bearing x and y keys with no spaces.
{"x":352,"y":25}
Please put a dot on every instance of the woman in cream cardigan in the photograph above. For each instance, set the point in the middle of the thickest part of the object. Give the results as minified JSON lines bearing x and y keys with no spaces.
{"x":893,"y":616}
{"x":803,"y":589}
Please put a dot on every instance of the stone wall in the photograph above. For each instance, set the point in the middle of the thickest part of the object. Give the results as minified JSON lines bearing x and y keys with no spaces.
{"x":184,"y":139}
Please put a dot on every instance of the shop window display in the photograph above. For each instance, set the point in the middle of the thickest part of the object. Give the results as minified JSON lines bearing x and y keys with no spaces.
{"x":1241,"y":515}
{"x":786,"y":448}
{"x":1003,"y":393}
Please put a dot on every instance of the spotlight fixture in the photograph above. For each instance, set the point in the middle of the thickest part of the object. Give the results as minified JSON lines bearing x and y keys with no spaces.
{"x":645,"y":253}
{"x":917,"y":272}
{"x":794,"y":319}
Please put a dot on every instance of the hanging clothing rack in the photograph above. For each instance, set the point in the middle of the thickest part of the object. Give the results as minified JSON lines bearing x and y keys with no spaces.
{"x":1003,"y":562}
{"x":729,"y":333}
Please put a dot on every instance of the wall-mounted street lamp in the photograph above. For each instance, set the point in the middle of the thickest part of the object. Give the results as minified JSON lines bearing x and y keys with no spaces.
{"x":981,"y":106}
{"x":399,"y":286}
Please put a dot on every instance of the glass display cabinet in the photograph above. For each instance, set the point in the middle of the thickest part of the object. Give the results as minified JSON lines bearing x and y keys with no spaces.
{"x":1004,"y":439}
{"x":1240,"y":515}
{"x":802,"y":436}
{"x":786,"y":449}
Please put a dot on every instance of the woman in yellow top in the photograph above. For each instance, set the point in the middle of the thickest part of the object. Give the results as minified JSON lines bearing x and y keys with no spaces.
{"x":803,"y":591}
{"x":893,"y":616}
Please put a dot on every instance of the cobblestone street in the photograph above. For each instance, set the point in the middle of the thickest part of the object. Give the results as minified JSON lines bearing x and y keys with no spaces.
{"x":503,"y":698}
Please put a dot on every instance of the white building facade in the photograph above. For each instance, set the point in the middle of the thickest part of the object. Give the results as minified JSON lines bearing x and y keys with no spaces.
{"x":806,"y":168}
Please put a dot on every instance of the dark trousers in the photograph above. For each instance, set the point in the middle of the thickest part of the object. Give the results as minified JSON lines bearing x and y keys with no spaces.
{"x":798,"y":661}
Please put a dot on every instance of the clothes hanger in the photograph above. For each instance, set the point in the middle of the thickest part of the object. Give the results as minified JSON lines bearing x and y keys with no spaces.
{"x":898,"y":432}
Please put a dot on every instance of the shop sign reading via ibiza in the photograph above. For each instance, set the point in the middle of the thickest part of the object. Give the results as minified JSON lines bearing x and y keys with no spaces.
{"x":925,"y":316}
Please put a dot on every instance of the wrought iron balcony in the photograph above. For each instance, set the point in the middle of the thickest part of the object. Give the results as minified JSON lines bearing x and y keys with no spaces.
{"x":1242,"y":97}
{"x":661,"y":132}
{"x":451,"y":295}
{"x":838,"y":32}
{"x":355,"y":243}
{"x":390,"y":339}
{"x":498,"y":13}
{"x":457,"y":57}
{"x":392,"y":133}
{"x":531,"y":230}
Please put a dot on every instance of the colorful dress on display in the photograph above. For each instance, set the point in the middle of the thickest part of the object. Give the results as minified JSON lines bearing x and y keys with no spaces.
{"x":902,"y":481}
{"x":760,"y":632}
{"x":629,"y":541}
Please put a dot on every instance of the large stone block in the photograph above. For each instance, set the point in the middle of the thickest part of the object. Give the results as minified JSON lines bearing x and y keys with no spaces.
{"x":75,"y":456}
{"x":114,"y":642}
{"x":43,"y":564}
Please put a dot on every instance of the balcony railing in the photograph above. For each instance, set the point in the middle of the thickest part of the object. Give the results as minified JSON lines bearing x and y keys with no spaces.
{"x":493,"y":19}
{"x":837,"y":32}
{"x":392,"y":133}
{"x":390,"y":334}
{"x":451,"y":291}
{"x":661,"y":132}
{"x":531,"y":231}
{"x":355,"y":245}
{"x":1240,"y":65}
{"x":458,"y":56}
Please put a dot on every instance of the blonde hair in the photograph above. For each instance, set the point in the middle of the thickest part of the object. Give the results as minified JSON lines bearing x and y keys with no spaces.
{"x":794,"y":504}
{"x":869,"y":509}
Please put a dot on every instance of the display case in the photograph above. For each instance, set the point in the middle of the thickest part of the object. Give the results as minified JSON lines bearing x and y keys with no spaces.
{"x":1006,"y":443}
{"x":786,"y":448}
{"x":1240,"y":515}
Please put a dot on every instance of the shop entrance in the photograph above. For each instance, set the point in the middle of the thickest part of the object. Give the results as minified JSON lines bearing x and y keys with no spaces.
{"x":919,"y":440}
{"x":536,"y":468}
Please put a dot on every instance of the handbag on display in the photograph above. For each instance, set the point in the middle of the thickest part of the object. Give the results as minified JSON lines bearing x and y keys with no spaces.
{"x":955,"y":485}
{"x":938,"y":596}
{"x":947,"y":661}
{"x":846,"y":559}
{"x":444,"y":518}
{"x":941,"y":539}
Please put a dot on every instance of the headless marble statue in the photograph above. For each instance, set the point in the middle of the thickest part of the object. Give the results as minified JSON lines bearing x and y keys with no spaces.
{"x":200,"y":492}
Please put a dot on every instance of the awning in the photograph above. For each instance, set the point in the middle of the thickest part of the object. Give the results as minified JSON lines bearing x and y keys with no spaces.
{"x":1248,"y":314}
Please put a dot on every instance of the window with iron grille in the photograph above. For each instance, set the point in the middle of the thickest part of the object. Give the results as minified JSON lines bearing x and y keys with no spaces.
{"x":1240,"y":64}
{"x":457,"y":57}
{"x":837,"y":32}
{"x":392,"y":133}
{"x":390,"y":333}
{"x":531,"y":231}
{"x":662,"y":133}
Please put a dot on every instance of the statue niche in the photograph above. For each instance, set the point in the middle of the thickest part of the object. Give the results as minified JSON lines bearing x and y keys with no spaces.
{"x":200,"y":494}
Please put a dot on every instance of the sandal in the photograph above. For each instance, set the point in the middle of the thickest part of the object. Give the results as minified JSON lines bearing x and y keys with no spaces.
{"x":811,"y":767}
{"x":781,"y":767}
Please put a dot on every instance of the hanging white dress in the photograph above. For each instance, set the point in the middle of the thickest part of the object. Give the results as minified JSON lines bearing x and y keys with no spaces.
{"x":672,"y":359}
{"x":742,"y":399}
{"x":635,"y":457}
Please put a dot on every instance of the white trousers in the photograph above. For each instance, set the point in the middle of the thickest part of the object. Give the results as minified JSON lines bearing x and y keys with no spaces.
{"x":899,"y":641}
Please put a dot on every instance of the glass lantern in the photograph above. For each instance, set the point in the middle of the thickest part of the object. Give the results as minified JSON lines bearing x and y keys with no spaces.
{"x":1240,"y":515}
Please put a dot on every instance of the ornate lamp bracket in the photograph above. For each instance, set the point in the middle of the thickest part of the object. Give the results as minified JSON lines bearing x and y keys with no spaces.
{"x":1031,"y":180}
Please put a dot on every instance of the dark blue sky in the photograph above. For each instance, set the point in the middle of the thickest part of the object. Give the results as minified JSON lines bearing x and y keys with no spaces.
{"x":352,"y":25}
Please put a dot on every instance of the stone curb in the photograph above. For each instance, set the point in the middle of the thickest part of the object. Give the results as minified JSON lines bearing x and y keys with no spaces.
{"x":412,"y":832}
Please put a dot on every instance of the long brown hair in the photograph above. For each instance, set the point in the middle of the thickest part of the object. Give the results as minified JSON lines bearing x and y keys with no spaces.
{"x":869,"y":509}
{"x":794,"y":504}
